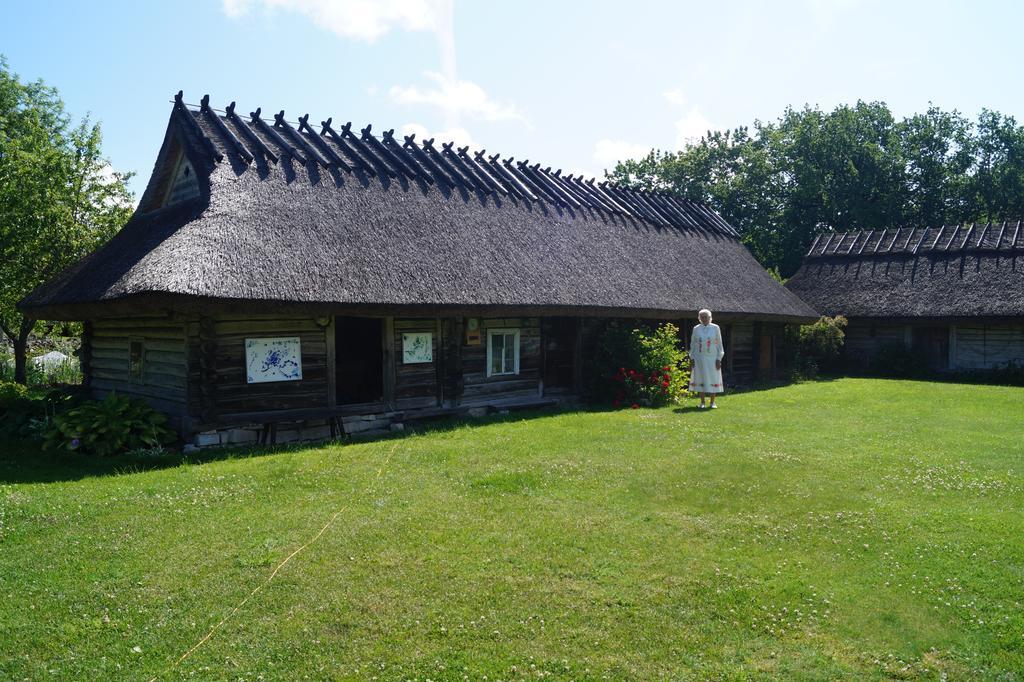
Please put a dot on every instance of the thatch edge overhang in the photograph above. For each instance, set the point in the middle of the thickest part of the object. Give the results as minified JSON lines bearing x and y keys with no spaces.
{"x":223,"y":159}
{"x":180,"y":306}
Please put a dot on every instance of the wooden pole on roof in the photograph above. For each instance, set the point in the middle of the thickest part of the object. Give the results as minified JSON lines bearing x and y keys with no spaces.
{"x":984,"y":232}
{"x":386,"y":151}
{"x":362,"y":164}
{"x":482,"y":180}
{"x":831,"y":236}
{"x":307,"y":149}
{"x":513,"y":169}
{"x":473,"y":164}
{"x":179,"y":106}
{"x":817,"y":239}
{"x":389,"y":142}
{"x":383,"y":169}
{"x":432,"y":166}
{"x":597,"y":188}
{"x":920,"y":241}
{"x":866,"y":240}
{"x":223,"y":130}
{"x":881,"y":238}
{"x":450,"y":170}
{"x":856,"y":236}
{"x":276,"y":137}
{"x":895,"y":236}
{"x":967,"y":237}
{"x":515,"y":187}
{"x":1016,"y":233}
{"x":910,"y":236}
{"x":263,"y":149}
{"x":952,"y":238}
{"x":1002,"y":231}
{"x":324,"y":148}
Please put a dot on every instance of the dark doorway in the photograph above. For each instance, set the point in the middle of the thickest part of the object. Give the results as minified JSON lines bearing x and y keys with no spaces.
{"x":359,"y":359}
{"x":932,"y":344}
{"x":558,"y":334}
{"x":766,"y":355}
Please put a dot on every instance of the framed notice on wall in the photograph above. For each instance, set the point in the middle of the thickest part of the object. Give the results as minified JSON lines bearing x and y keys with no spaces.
{"x":278,"y":359}
{"x":417,"y":347}
{"x":473,"y":331}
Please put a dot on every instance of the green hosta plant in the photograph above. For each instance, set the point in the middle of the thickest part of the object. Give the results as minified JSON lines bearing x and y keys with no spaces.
{"x":108,"y":427}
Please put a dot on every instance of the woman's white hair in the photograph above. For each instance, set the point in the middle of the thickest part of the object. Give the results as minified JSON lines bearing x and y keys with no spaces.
{"x":701,"y":313}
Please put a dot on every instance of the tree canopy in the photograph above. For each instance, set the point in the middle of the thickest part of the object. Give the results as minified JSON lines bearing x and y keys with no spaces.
{"x":783,"y":182}
{"x":59,"y":198}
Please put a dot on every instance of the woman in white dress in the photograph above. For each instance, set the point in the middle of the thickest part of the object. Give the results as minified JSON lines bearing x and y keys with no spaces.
{"x":706,"y":352}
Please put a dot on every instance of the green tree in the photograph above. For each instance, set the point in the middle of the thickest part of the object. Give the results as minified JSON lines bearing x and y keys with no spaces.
{"x":783,"y":182}
{"x":996,"y":188}
{"x":59,"y":199}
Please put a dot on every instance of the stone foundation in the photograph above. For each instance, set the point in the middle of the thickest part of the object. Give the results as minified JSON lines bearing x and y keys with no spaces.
{"x":295,"y":431}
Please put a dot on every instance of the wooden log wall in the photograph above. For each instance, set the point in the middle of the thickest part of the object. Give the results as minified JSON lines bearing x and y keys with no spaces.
{"x":479,"y":388}
{"x":223,"y":389}
{"x":417,"y":385}
{"x":164,"y":367}
{"x":987,"y":346}
{"x":742,"y":365}
{"x":864,"y":339}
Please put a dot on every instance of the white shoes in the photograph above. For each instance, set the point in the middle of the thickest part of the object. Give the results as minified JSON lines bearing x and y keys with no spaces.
{"x":713,"y":406}
{"x":701,"y":406}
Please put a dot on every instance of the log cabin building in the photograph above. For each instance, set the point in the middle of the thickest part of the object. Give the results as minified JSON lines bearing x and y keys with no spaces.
{"x":953,"y":295}
{"x":279,"y":278}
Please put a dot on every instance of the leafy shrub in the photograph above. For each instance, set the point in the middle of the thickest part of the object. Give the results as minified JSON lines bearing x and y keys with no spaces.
{"x":896,"y":360}
{"x":11,"y":394}
{"x":816,"y":346}
{"x":639,"y":366}
{"x":108,"y":427}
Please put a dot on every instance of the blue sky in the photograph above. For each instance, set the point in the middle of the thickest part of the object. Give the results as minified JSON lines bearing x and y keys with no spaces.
{"x":573,"y":85}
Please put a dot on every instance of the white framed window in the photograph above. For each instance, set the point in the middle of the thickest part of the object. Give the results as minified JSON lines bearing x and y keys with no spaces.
{"x":502,"y":352}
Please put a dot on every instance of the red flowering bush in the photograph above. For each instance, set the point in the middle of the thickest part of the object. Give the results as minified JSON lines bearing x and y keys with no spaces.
{"x":640,"y":366}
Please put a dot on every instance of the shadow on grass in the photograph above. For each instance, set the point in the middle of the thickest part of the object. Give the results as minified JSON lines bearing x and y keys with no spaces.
{"x":23,"y":461}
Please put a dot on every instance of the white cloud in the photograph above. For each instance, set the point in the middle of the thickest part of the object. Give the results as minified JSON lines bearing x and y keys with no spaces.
{"x":609,"y":152}
{"x":691,"y":127}
{"x":693,"y":124}
{"x":360,"y":19}
{"x":456,"y":98}
{"x":460,"y":136}
{"x":675,"y":96}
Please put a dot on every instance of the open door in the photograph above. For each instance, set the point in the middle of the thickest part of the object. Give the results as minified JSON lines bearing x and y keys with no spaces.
{"x":932,"y":343}
{"x":559,"y":336}
{"x":359,"y":359}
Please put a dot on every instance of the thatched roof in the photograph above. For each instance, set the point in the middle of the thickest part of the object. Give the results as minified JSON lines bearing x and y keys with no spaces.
{"x":963,"y":271}
{"x":342,"y":219}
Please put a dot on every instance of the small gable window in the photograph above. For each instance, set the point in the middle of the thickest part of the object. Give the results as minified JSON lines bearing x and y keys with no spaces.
{"x":502,"y":352}
{"x":185,"y":184}
{"x":136,"y":353}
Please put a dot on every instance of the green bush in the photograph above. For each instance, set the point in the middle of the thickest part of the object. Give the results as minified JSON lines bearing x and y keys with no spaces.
{"x":896,"y":360}
{"x":639,"y":366}
{"x":816,"y":346}
{"x":11,"y":394}
{"x":108,"y":427}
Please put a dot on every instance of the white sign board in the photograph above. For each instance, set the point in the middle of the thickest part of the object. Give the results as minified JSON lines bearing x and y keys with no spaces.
{"x":417,"y":347}
{"x":277,"y":359}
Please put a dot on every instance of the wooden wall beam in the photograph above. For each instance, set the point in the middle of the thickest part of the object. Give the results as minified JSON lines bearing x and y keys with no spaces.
{"x":389,"y":362}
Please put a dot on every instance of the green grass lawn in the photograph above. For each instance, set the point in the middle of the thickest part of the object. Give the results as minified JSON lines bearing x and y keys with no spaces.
{"x":852,"y":528}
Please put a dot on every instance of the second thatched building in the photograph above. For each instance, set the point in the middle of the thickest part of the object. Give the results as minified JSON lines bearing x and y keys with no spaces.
{"x":952,"y":296}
